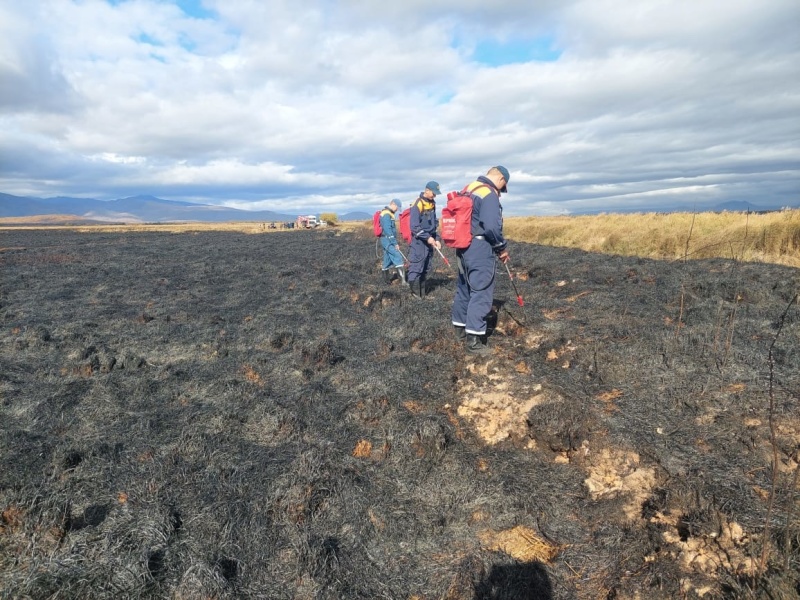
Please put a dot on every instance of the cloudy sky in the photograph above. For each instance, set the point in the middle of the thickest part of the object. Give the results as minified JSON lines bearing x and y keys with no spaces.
{"x":326,"y":105}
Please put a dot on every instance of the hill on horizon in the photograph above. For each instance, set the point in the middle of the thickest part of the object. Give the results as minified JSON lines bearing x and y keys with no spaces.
{"x":151,"y":209}
{"x":140,"y":208}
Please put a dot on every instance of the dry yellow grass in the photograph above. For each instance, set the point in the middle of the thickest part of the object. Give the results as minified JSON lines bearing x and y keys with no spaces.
{"x":772,"y":237}
{"x":45,"y":220}
{"x":520,"y":542}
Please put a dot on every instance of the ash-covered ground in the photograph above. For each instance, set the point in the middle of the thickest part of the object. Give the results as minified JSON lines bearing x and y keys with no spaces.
{"x":220,"y":415}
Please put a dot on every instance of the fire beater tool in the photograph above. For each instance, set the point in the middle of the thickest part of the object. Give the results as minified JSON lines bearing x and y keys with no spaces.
{"x":520,"y":301}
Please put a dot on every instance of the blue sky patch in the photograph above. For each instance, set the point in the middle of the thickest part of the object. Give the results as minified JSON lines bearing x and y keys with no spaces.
{"x":192,"y":8}
{"x":144,"y":38}
{"x":505,"y":52}
{"x":444,"y":97}
{"x":187,"y":43}
{"x":195,"y":8}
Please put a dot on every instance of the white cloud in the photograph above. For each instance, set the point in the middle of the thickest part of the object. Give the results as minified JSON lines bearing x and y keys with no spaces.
{"x":349,"y":104}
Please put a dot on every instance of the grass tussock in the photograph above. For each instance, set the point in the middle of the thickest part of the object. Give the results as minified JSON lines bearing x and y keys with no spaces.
{"x":771,"y":237}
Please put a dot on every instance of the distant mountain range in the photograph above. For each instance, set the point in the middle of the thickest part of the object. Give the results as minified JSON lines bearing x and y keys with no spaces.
{"x":140,"y":209}
{"x":149,"y":209}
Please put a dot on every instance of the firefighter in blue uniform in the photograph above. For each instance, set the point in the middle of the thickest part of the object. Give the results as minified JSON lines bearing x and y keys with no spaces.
{"x":423,"y":224}
{"x":477,"y":262}
{"x":392,"y":259}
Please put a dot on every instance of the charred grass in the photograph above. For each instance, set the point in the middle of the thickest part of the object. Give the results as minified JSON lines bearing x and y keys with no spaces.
{"x":221,"y":415}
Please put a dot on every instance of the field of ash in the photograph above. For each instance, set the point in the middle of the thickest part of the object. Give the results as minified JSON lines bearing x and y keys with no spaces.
{"x":221,"y":415}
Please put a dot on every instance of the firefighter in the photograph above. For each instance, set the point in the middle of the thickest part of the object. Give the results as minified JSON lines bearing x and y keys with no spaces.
{"x":423,"y":224}
{"x":392,"y":259}
{"x":476,"y":263}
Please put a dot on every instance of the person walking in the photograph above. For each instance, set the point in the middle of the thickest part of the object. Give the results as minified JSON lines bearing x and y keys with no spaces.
{"x":424,"y":224}
{"x":392,"y":258}
{"x":477,"y":262}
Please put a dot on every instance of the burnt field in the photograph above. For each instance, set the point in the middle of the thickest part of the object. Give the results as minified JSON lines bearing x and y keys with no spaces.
{"x":220,"y":415}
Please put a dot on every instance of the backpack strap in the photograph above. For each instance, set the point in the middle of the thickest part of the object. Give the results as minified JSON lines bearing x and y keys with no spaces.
{"x":467,"y":189}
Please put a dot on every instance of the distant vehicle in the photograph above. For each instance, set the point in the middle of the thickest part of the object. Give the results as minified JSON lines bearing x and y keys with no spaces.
{"x":308,"y":221}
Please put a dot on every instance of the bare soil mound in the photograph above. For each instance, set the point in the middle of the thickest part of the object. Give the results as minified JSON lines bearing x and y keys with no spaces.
{"x":220,"y":415}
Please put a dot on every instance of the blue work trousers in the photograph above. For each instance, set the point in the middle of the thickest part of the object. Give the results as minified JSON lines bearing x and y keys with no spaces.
{"x":391,"y":255}
{"x":419,"y":258}
{"x":474,"y":287}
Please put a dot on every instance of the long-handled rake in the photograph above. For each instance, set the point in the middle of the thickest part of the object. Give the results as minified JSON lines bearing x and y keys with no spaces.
{"x":444,"y":258}
{"x":406,"y":263}
{"x":520,"y":301}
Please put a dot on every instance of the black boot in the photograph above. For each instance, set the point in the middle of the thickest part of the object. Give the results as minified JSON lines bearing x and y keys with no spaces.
{"x":415,"y":288}
{"x":460,"y":332}
{"x":475,"y":345}
{"x":387,"y":276}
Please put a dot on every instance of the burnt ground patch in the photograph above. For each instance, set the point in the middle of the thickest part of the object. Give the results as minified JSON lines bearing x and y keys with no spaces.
{"x":226,"y":415}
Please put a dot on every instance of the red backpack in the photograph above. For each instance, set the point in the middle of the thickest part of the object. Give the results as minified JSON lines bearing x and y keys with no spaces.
{"x":376,"y":223}
{"x":405,"y":225}
{"x":457,"y":219}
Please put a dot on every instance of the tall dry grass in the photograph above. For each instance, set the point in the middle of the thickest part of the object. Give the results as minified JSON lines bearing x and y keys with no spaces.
{"x":772,"y":237}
